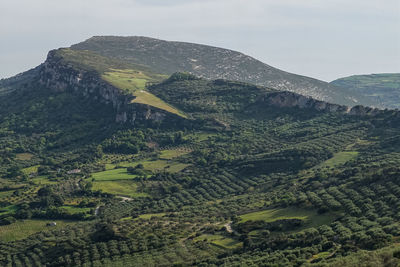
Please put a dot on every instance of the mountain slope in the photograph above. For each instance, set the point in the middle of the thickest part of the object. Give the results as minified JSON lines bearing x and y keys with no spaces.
{"x":259,"y":176}
{"x":238,"y":175}
{"x":18,"y":81}
{"x":382,"y":89}
{"x":167,"y":57}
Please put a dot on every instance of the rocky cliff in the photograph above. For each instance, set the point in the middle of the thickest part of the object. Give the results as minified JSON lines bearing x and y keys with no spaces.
{"x":290,"y":99}
{"x":60,"y":75}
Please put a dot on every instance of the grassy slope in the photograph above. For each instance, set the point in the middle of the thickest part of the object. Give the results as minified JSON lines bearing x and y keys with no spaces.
{"x":134,"y":82}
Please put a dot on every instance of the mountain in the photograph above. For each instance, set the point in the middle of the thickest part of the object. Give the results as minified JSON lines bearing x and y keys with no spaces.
{"x":166,"y":57}
{"x":106,"y":162}
{"x":382,"y":89}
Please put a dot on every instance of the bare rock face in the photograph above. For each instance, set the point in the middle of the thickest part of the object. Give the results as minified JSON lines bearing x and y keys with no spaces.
{"x":121,"y":117}
{"x":289,"y":99}
{"x":61,"y":76}
{"x":140,"y":112}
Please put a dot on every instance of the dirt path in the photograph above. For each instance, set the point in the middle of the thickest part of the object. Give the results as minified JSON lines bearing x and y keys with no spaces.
{"x":123,"y":199}
{"x":228,"y":227}
{"x":96,"y":211}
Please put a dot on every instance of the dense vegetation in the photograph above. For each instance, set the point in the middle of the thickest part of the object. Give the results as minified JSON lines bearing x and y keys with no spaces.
{"x":237,"y":183}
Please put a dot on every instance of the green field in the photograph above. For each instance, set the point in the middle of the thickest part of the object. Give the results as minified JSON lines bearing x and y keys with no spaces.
{"x":23,"y":229}
{"x":134,"y":82}
{"x":160,"y":165}
{"x":156,"y":165}
{"x":339,"y":158}
{"x":125,"y":188}
{"x":173,"y":153}
{"x":113,"y":175}
{"x":220,"y":241}
{"x":311,"y":217}
{"x":29,"y":170}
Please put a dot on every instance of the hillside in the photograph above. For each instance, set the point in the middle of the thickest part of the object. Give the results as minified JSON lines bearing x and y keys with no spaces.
{"x":381,"y":89}
{"x":17,"y":82}
{"x":168,"y":57}
{"x":110,"y":81}
{"x":106,"y":162}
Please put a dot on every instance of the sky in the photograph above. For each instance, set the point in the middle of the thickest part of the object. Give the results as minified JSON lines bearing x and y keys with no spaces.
{"x":324,"y":39}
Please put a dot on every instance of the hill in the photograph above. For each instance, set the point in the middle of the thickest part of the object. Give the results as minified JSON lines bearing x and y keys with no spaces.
{"x":209,"y":62}
{"x":381,"y":89}
{"x":204,"y":173}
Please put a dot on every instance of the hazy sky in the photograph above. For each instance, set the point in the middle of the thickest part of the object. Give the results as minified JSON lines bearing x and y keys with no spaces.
{"x":325,"y":39}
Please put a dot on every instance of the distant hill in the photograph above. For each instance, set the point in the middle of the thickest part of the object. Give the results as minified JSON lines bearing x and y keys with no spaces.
{"x":381,"y":89}
{"x":166,"y":57}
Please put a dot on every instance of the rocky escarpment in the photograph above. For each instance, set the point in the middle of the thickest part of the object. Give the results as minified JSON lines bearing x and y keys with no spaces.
{"x":60,"y":75}
{"x":289,"y":99}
